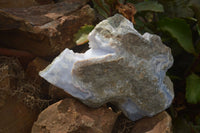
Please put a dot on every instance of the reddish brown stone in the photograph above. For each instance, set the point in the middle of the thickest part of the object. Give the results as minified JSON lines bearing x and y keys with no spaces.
{"x":71,"y":116}
{"x":22,"y":3}
{"x":34,"y":68}
{"x":32,"y":74}
{"x":160,"y":123}
{"x":44,"y":30}
{"x":44,"y":2}
{"x":15,"y":115}
{"x":57,"y":93}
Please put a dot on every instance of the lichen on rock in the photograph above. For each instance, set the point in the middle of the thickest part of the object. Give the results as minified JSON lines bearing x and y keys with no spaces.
{"x":122,"y":67}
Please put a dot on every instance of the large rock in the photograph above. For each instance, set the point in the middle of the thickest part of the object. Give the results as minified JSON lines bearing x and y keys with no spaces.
{"x":22,"y":3}
{"x":44,"y":30}
{"x":122,"y":67}
{"x":160,"y":123}
{"x":71,"y":116}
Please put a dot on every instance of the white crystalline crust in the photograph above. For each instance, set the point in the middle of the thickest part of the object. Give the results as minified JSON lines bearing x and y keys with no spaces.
{"x":122,"y":67}
{"x":59,"y":72}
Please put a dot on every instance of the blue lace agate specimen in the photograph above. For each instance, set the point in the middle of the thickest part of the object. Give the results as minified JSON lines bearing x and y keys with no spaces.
{"x":122,"y":67}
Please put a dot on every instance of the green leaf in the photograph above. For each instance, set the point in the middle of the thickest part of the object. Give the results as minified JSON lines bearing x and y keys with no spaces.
{"x":101,"y":7}
{"x":177,"y":8}
{"x":193,"y":89}
{"x":82,"y":40}
{"x":180,"y":30}
{"x":198,"y":42}
{"x":149,"y":6}
{"x":198,"y":29}
{"x":81,"y":36}
{"x":121,"y":1}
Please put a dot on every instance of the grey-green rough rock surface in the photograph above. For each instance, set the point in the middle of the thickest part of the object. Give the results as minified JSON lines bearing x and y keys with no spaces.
{"x":122,"y":67}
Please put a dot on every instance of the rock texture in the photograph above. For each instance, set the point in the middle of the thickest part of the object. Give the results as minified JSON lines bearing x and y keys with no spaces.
{"x":44,"y":30}
{"x":71,"y":116}
{"x":31,"y":73}
{"x":16,"y":116}
{"x":122,"y":67}
{"x":160,"y":123}
{"x":57,"y":93}
{"x":24,"y":57}
{"x":33,"y":68}
{"x":10,"y":70}
{"x":22,"y":3}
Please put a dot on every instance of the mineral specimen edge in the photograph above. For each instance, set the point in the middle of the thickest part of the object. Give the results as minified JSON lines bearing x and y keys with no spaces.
{"x":122,"y":67}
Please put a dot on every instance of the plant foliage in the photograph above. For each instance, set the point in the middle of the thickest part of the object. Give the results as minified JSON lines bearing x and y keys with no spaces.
{"x":149,"y":6}
{"x":193,"y":88}
{"x":176,"y":26}
{"x":81,"y":37}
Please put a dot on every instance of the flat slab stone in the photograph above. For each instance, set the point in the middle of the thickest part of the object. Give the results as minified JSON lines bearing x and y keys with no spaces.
{"x":22,"y":3}
{"x":44,"y":30}
{"x":122,"y":67}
